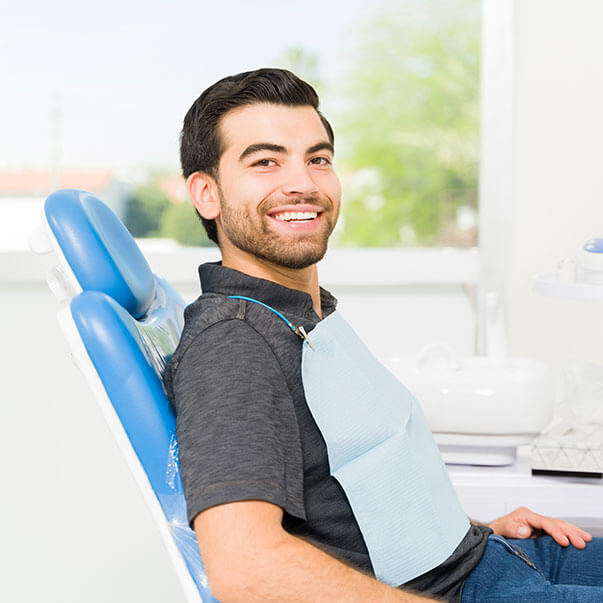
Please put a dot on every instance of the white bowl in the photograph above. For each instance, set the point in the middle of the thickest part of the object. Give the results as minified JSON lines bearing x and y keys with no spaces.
{"x":477,"y":395}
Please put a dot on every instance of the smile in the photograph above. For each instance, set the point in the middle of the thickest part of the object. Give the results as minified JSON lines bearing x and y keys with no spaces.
{"x":295,"y":216}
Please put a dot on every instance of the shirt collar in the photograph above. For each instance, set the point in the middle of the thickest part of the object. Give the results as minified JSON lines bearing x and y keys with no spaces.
{"x":216,"y":278}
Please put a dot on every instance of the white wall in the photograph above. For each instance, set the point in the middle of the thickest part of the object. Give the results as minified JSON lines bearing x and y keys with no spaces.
{"x":75,"y":527}
{"x":558,"y":173}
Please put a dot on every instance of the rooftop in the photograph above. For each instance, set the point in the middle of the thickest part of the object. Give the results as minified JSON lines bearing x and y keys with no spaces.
{"x":40,"y":183}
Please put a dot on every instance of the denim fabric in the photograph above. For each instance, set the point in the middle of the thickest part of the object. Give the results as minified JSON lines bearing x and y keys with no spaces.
{"x":536,"y":571}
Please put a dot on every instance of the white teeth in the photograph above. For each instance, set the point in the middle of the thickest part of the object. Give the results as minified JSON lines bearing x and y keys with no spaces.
{"x":287,"y":216}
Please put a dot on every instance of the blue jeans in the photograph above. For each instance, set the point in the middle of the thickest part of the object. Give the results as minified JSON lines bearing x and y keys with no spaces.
{"x":536,"y":570}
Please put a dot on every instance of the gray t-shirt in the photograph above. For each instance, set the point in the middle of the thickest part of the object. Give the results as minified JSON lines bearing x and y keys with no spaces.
{"x":245,"y":431}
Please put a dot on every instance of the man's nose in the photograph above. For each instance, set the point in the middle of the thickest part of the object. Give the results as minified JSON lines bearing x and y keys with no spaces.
{"x":299,"y":182}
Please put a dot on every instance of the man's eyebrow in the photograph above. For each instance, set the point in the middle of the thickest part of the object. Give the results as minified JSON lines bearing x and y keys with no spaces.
{"x":262,"y":146}
{"x":321,"y":146}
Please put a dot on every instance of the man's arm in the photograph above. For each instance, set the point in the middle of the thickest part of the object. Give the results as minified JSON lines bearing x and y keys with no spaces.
{"x":249,"y":557}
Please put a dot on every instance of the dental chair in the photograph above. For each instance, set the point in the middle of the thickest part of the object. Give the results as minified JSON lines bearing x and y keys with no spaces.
{"x":123,"y":323}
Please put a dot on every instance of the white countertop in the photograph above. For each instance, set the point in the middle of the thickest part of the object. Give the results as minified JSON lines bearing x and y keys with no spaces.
{"x":489,"y":492}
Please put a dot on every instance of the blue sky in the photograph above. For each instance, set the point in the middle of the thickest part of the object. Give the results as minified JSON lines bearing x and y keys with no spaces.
{"x":122,"y":74}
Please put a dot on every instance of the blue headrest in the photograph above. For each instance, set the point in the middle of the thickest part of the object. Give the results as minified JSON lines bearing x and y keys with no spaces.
{"x":102,"y":254}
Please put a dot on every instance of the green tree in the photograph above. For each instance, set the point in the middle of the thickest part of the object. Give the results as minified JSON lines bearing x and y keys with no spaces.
{"x":410,"y":133}
{"x":303,"y":63}
{"x":144,"y":209}
{"x":181,"y":222}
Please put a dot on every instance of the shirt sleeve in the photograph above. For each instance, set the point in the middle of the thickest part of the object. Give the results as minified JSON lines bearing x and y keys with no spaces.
{"x":236,"y":422}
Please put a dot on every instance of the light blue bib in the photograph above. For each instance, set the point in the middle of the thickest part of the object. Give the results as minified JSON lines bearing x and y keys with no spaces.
{"x":382,"y":453}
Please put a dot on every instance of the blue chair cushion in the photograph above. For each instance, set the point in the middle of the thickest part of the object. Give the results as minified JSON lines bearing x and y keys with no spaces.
{"x":128,"y":356}
{"x":99,"y":249}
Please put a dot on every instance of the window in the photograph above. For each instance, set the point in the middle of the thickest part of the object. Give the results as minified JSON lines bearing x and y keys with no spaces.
{"x":398,"y":80}
{"x":401,"y":87}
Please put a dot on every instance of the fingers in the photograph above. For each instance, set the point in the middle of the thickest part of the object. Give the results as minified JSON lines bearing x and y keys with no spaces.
{"x":586,"y":536}
{"x":561,"y":531}
{"x":576,"y":536}
{"x":558,"y":535}
{"x":523,"y":523}
{"x":524,"y":531}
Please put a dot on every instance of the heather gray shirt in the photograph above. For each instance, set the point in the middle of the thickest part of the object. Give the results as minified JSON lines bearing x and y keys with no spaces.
{"x":245,"y":431}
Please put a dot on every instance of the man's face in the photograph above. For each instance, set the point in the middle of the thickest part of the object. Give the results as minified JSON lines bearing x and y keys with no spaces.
{"x":279,"y":195}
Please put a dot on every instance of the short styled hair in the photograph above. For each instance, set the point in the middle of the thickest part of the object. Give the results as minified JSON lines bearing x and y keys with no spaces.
{"x":200,"y":143}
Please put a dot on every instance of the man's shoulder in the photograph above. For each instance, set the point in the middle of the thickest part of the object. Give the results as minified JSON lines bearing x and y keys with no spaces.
{"x":236,"y":333}
{"x":209,"y":317}
{"x":204,"y":319}
{"x":226,"y":337}
{"x":219,"y":327}
{"x":207,"y":310}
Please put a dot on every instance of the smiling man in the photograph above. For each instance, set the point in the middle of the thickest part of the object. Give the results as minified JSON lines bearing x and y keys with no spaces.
{"x":310,"y":473}
{"x":274,"y":196}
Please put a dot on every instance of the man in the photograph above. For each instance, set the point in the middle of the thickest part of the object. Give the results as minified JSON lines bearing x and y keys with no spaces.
{"x":257,"y":460}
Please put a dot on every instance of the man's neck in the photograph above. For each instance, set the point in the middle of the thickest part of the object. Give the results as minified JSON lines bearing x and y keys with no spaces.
{"x":303,"y":279}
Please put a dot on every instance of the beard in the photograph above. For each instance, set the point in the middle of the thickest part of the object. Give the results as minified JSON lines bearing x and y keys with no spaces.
{"x":250,"y":232}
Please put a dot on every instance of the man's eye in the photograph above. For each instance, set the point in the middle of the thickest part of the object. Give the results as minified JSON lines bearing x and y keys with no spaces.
{"x":265,"y":163}
{"x":320,"y":161}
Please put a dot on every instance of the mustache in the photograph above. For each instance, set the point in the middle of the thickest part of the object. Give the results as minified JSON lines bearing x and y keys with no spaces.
{"x":323,"y":202}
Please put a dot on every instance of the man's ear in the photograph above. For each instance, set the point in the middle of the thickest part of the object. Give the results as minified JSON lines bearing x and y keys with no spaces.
{"x":203,"y":191}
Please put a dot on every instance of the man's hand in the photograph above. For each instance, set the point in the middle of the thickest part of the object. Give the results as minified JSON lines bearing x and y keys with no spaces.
{"x":523,"y":523}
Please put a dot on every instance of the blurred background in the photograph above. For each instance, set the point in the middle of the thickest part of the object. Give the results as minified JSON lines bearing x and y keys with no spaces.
{"x":94,"y":95}
{"x":468,"y":142}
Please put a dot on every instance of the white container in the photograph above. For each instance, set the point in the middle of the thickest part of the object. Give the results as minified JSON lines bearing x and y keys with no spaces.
{"x":477,"y":395}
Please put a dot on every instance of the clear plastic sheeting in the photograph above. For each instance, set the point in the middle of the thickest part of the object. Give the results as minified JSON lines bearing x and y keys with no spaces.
{"x":582,"y":406}
{"x":159,"y":331}
{"x":161,"y":326}
{"x":187,"y":544}
{"x":172,"y":497}
{"x":172,"y":474}
{"x":174,"y":507}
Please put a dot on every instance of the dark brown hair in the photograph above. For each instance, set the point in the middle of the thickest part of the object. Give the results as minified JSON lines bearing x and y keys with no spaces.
{"x":200,"y":144}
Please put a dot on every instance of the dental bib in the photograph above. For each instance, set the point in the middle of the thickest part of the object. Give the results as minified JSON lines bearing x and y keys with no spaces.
{"x":382,"y":453}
